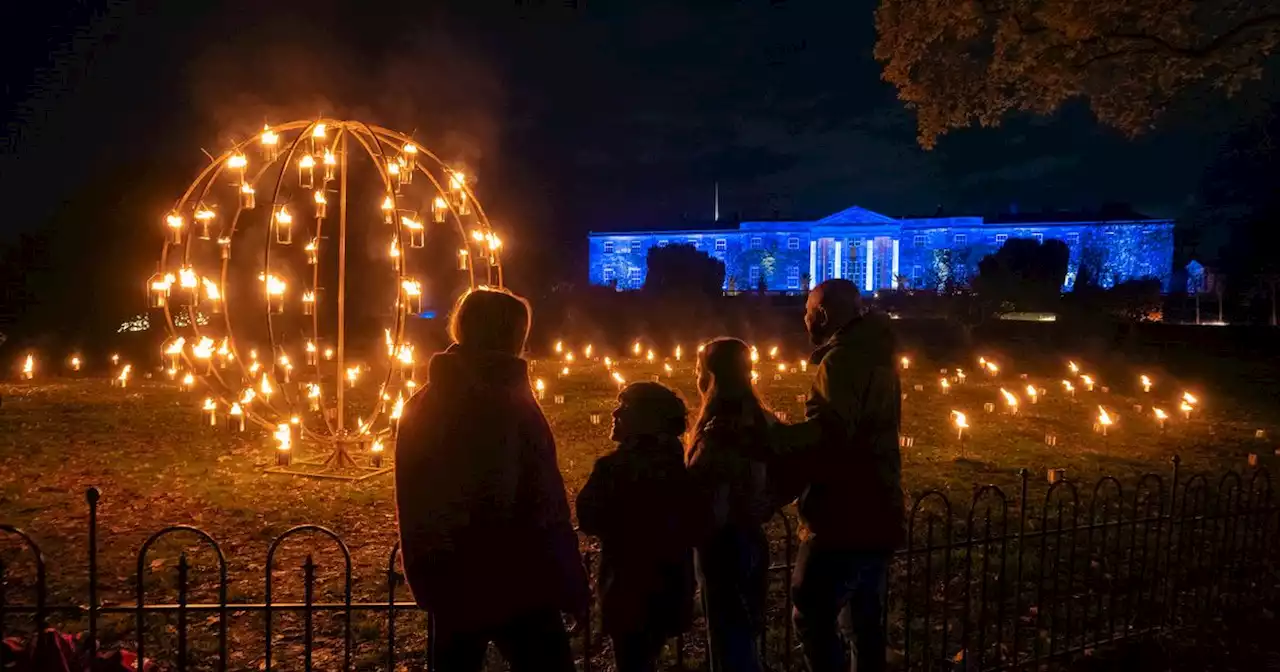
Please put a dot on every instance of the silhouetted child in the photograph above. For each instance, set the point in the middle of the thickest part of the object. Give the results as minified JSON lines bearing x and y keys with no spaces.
{"x":637,"y":501}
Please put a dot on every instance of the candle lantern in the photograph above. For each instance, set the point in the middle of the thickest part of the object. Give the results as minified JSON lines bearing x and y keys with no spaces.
{"x":309,"y":302}
{"x":210,"y":409}
{"x":235,"y":418}
{"x":312,"y":249}
{"x":330,"y":165}
{"x":464,"y":260}
{"x":1088,"y":383}
{"x":158,"y":287}
{"x":275,"y":293}
{"x":307,"y":171}
{"x":595,"y":418}
{"x":270,"y":143}
{"x":457,"y":187}
{"x":559,"y":400}
{"x":1160,"y":417}
{"x":312,"y":353}
{"x":439,"y":207}
{"x":417,"y":232}
{"x":212,"y":296}
{"x":906,"y":441}
{"x":1104,"y":421}
{"x":408,"y":161}
{"x":393,"y":173}
{"x":175,"y":223}
{"x":204,"y":216}
{"x":412,"y":295}
{"x":313,"y":397}
{"x":1057,"y":475}
{"x":388,"y":210}
{"x":1070,"y":389}
{"x":248,"y":197}
{"x":29,"y":367}
{"x":238,"y":164}
{"x":188,"y":381}
{"x":1033,"y":394}
{"x":405,"y":356}
{"x":123,"y":379}
{"x":918,"y":387}
{"x":961,"y":422}
{"x":284,"y":226}
{"x":1186,"y":409}
{"x":75,"y":363}
{"x":960,"y":376}
{"x":540,"y":388}
{"x":989,"y":407}
{"x":1050,"y":440}
{"x":375,"y":453}
{"x":1146,"y":383}
{"x":1010,"y":401}
{"x":945,"y":386}
{"x":284,"y":444}
{"x":321,"y":204}
{"x":1260,"y":434}
{"x":906,"y":363}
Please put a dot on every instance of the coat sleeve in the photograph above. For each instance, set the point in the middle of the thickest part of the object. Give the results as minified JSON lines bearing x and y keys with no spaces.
{"x":836,"y":402}
{"x":593,"y":500}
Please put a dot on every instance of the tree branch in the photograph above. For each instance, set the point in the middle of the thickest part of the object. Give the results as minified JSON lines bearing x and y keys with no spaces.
{"x":1201,"y":51}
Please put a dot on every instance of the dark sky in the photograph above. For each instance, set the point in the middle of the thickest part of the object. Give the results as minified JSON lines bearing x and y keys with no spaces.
{"x":611,"y":115}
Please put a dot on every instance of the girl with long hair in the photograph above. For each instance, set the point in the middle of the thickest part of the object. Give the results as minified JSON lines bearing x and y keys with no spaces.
{"x":726,"y":460}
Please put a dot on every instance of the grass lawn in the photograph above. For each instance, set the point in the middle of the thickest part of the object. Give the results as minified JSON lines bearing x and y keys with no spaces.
{"x":158,"y":463}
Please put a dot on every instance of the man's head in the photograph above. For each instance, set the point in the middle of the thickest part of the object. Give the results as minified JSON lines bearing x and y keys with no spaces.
{"x":648,"y":409}
{"x":487,"y":319}
{"x":831,"y":305}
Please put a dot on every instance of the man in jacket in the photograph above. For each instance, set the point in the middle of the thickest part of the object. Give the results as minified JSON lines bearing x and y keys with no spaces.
{"x":845,"y":460}
{"x":489,"y":548}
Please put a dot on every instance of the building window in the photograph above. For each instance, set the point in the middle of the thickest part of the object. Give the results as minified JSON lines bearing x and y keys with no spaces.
{"x":608,"y":274}
{"x":721,"y":244}
{"x":608,"y":247}
{"x":1039,"y":237}
{"x":793,"y":276}
{"x":634,"y":277}
{"x":1000,"y":238}
{"x":1073,"y":239}
{"x":917,"y":241}
{"x":755,"y":275}
{"x":662,"y":242}
{"x":961,"y":239}
{"x":793,"y":243}
{"x":635,"y":246}
{"x":915,"y":277}
{"x":756,"y":242}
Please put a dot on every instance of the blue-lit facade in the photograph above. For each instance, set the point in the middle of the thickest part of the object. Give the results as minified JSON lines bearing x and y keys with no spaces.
{"x":881,"y":252}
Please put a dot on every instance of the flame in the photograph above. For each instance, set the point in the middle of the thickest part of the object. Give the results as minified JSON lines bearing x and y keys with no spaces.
{"x":439,"y":203}
{"x":405,"y":355}
{"x":457,"y":180}
{"x":353,"y":374}
{"x":1009,"y":398}
{"x":494,"y":241}
{"x":203,"y":349}
{"x":608,"y":362}
{"x":307,"y":161}
{"x":175,"y":346}
{"x":275,"y":285}
{"x":284,"y":361}
{"x":679,"y":353}
{"x":187,"y":278}
{"x":1186,"y":407}
{"x":75,"y":363}
{"x":283,"y":436}
{"x":1066,"y":385}
{"x":1146,"y":382}
{"x":667,"y":367}
{"x":648,"y":356}
{"x":318,"y":131}
{"x":568,"y":357}
{"x":755,"y":376}
{"x":773,"y":352}
{"x":388,"y":204}
{"x":224,"y":348}
{"x":477,"y":236}
{"x":29,"y":366}
{"x":617,"y":378}
{"x":308,"y":296}
{"x":236,"y":410}
{"x":586,"y":352}
{"x":906,"y":362}
{"x":1104,"y":418}
{"x":755,"y":355}
{"x":411,"y":224}
{"x":124,"y":373}
{"x":313,"y":390}
{"x":393,"y":167}
{"x":319,"y":197}
{"x":564,"y":371}
{"x":991,"y":366}
{"x":1190,"y":398}
{"x":411,"y":287}
{"x":1075,"y":369}
{"x":397,"y":409}
{"x":237,"y":162}
{"x":1159,"y":413}
{"x":539,"y":385}
{"x":266,"y":387}
{"x":944,"y":383}
{"x":188,"y":380}
{"x":782,"y":368}
{"x":269,"y":137}
{"x":283,"y":217}
{"x":210,"y":405}
{"x":211,"y":290}
{"x":204,"y":214}
{"x":329,"y":159}
{"x":255,"y":367}
{"x":174,"y":221}
{"x":395,"y":247}
{"x":1087,"y":380}
{"x":635,"y":348}
{"x":961,"y":420}
{"x":559,"y":347}
{"x":377,"y":446}
{"x":246,"y":189}
{"x":248,"y":396}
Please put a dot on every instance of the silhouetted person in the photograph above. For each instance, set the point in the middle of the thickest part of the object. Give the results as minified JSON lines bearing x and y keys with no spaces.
{"x":489,"y":548}
{"x":845,"y":454}
{"x":725,"y":459}
{"x":637,"y":502}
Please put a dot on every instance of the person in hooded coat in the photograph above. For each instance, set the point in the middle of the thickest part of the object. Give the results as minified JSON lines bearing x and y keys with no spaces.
{"x":846,"y":461}
{"x":637,"y":501}
{"x":487,"y":540}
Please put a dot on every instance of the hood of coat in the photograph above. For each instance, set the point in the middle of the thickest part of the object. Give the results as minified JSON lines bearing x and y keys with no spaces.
{"x":870,"y":335}
{"x":460,"y":368}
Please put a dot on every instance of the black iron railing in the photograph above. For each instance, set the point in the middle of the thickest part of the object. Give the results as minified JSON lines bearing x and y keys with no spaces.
{"x":1006,"y":584}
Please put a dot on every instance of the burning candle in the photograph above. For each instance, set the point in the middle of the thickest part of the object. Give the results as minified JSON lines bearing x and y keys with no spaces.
{"x":235,"y":418}
{"x":75,"y":363}
{"x":1186,"y":409}
{"x":586,"y":352}
{"x":568,"y":357}
{"x":755,"y":376}
{"x":773,"y":352}
{"x":755,"y":355}
{"x":961,"y":422}
{"x":1033,"y":394}
{"x":679,"y":353}
{"x":115,"y":359}
{"x":946,"y":386}
{"x":540,"y":387}
{"x":649,"y":356}
{"x":188,"y":381}
{"x":906,"y":362}
{"x":1075,"y":369}
{"x":284,"y":442}
{"x":1146,"y":383}
{"x":960,"y":376}
{"x":328,"y":354}
{"x":353,"y":375}
{"x":992,"y":369}
{"x":1070,"y":389}
{"x":1010,"y":401}
{"x":313,"y":396}
{"x":375,"y":453}
{"x":559,"y":347}
{"x":617,"y":378}
{"x":564,"y":372}
{"x":608,"y":362}
{"x":123,"y":378}
{"x":635,"y":348}
{"x":667,"y":368}
{"x":1088,"y":383}
{"x":1160,"y":416}
{"x":312,"y":353}
{"x":1104,"y":420}
{"x":29,"y":367}
{"x":211,"y":409}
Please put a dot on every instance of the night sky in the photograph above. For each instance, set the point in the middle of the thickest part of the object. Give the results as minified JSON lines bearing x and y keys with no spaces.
{"x":611,"y":115}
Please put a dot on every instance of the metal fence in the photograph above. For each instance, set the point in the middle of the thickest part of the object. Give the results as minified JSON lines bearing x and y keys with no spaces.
{"x":1004,"y":583}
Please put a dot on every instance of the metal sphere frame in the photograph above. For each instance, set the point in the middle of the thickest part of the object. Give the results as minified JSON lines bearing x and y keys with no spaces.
{"x":327,"y":141}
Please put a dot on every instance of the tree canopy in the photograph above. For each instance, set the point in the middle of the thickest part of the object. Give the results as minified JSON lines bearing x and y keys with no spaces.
{"x":960,"y":62}
{"x":683,"y":269}
{"x":1024,"y":274}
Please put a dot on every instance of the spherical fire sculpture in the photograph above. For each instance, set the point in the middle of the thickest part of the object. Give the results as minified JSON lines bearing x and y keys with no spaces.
{"x":279,"y":245}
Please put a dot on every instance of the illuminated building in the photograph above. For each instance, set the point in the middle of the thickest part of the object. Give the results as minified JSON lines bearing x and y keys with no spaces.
{"x":880,"y":252}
